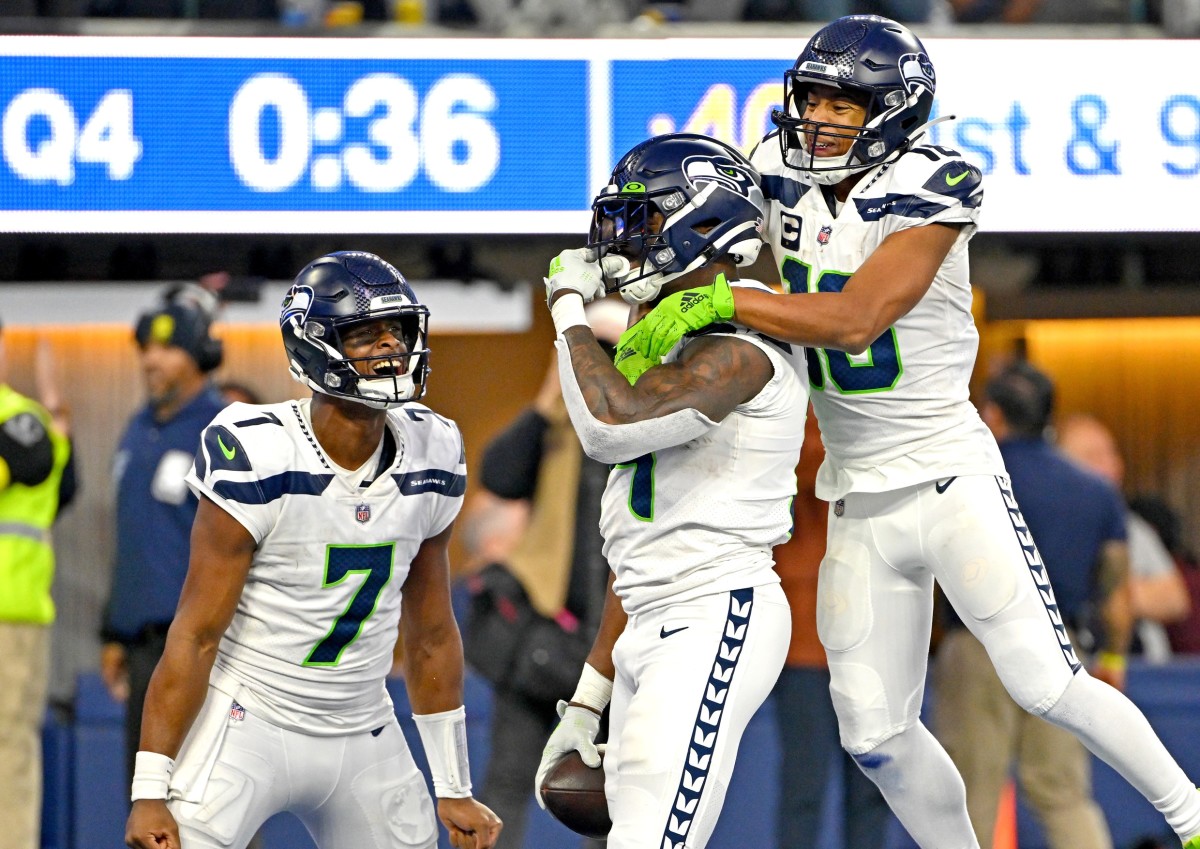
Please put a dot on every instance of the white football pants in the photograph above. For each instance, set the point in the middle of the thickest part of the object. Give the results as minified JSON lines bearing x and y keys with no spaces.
{"x":874,"y":612}
{"x":360,"y":791}
{"x":689,"y":677}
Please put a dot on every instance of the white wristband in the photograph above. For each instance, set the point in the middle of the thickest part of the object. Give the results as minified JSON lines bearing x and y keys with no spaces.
{"x":568,"y":312}
{"x":593,"y":689}
{"x":151,"y":776}
{"x":444,"y":737}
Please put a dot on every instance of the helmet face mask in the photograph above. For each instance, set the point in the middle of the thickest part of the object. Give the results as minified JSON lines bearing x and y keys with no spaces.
{"x":877,"y":62}
{"x":676,"y":203}
{"x":350,"y":300}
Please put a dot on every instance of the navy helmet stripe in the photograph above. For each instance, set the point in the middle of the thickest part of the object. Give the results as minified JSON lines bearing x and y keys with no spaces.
{"x":437,"y":481}
{"x":1037,"y":569}
{"x":268,"y":489}
{"x":708,"y":721}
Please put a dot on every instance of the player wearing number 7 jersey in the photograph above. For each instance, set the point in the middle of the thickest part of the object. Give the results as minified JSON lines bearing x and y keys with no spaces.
{"x":320,"y":523}
{"x":869,"y":227}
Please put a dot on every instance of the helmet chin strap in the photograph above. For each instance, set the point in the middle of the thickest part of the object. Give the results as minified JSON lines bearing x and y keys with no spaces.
{"x":643,"y":289}
{"x":838,"y":169}
{"x":639,"y":288}
{"x":399,"y":389}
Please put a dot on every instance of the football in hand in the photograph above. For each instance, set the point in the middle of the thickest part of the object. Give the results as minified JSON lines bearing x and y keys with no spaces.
{"x":574,"y":795}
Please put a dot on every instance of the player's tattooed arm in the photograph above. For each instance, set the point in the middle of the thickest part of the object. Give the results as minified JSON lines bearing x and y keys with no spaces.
{"x":713,"y":375}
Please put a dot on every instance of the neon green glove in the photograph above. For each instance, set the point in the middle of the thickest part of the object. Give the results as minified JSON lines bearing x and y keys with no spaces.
{"x":681,"y":313}
{"x":628,"y":359}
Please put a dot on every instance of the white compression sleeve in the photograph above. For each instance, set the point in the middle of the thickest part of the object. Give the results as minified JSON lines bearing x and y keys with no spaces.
{"x":617,"y":443}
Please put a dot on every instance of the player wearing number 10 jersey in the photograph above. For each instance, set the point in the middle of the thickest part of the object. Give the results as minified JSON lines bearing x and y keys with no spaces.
{"x":320,"y":523}
{"x":901,"y":407}
{"x":869,"y":227}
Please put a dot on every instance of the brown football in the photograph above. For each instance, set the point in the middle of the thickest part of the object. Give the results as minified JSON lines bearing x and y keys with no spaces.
{"x":574,"y":795}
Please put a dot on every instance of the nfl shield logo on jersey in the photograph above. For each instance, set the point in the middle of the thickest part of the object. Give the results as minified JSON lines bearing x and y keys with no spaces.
{"x":823,"y":236}
{"x":363,"y":513}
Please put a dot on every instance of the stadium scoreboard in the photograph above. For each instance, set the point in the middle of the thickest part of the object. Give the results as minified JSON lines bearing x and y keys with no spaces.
{"x":481,"y":136}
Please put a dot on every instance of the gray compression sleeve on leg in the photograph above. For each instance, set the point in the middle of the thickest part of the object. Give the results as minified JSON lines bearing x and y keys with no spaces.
{"x":617,"y":443}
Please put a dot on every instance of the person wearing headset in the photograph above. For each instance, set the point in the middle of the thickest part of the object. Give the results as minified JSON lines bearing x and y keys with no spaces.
{"x":154,"y":507}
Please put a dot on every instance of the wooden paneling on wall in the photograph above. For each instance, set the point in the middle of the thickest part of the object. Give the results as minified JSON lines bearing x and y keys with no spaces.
{"x":1141,"y":377}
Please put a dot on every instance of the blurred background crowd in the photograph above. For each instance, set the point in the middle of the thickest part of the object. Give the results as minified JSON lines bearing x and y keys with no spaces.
{"x":541,"y":17}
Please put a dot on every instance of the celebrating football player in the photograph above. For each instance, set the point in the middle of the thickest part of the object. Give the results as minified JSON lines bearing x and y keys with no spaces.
{"x":695,"y":627}
{"x":869,"y":225}
{"x":321,"y":524}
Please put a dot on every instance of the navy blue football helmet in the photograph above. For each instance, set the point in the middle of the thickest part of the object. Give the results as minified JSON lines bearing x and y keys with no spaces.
{"x":710,"y":199}
{"x":329,"y":297}
{"x":875,"y":58}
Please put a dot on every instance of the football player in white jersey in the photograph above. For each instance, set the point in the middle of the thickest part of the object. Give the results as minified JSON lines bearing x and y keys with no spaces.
{"x":696,"y":626}
{"x":320,"y":522}
{"x":869,"y":227}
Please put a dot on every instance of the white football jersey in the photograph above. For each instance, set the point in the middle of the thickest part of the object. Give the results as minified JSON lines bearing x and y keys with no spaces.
{"x":899,"y":413}
{"x":702,"y":517}
{"x":311,"y":641}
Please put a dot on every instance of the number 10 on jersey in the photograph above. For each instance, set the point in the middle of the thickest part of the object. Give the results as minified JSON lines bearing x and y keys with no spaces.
{"x":876,"y":370}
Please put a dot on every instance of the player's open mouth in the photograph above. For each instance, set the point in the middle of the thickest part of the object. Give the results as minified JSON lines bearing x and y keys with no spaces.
{"x":822,"y":149}
{"x":388,"y":368}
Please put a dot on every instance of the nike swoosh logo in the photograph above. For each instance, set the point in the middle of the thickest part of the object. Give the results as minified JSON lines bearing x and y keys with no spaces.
{"x":664,"y":633}
{"x":228,"y":452}
{"x":954,"y":181}
{"x":942,"y":486}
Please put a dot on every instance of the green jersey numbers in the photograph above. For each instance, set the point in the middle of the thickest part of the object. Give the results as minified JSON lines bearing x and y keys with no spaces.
{"x":641,"y":486}
{"x":374,"y":562}
{"x":877,"y":369}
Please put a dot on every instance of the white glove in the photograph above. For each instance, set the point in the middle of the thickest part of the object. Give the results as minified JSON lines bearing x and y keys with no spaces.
{"x":579,"y":271}
{"x":576,"y":732}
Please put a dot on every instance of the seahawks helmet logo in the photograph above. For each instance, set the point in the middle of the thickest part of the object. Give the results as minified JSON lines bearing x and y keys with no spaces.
{"x":296,"y":303}
{"x":917,"y":70}
{"x":720,"y":170}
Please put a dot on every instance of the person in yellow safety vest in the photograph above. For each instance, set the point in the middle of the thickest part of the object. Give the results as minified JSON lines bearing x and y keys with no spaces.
{"x":36,"y":480}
